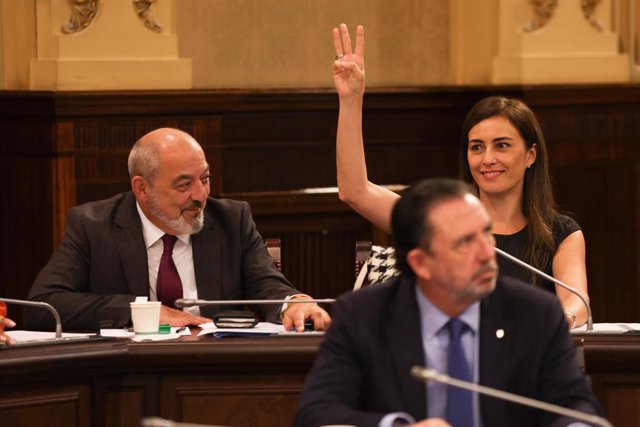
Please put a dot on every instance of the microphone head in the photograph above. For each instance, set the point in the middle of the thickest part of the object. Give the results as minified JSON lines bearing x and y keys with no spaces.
{"x":416,"y":372}
{"x":425,"y":374}
{"x":182,"y":302}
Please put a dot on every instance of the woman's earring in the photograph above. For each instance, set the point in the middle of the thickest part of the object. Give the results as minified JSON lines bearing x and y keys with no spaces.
{"x":529,"y":165}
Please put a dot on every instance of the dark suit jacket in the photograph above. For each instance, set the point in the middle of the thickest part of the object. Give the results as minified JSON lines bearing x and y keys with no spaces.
{"x":101,"y":265}
{"x":362,"y":370}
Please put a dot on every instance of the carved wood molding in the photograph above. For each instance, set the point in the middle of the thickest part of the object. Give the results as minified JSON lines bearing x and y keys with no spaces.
{"x":543,"y":11}
{"x":85,"y":12}
{"x":588,"y":9}
{"x":143,"y":10}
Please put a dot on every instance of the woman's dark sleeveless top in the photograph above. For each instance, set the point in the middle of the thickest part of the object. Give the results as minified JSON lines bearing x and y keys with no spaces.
{"x":515,"y":244}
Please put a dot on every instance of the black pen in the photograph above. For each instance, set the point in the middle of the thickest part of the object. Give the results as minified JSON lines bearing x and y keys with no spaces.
{"x":181,"y":329}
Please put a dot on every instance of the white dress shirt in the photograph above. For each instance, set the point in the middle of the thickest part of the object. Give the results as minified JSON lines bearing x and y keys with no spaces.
{"x":435,"y":341}
{"x":182,"y":257}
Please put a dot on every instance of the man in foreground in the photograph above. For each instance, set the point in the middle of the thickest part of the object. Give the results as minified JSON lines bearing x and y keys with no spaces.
{"x":447,"y":311}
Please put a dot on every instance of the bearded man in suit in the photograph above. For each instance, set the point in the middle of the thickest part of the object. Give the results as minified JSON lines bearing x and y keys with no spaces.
{"x":112,"y":249}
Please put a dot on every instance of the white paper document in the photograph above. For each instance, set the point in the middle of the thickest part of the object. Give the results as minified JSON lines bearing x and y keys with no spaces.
{"x":124,"y":333}
{"x":609,"y":328}
{"x":34,"y":336}
{"x":261,"y":329}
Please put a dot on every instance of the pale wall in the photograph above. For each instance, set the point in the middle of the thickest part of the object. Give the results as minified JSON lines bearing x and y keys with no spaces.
{"x":473,"y":40}
{"x":272,"y":43}
{"x":288,"y":43}
{"x":17,"y":42}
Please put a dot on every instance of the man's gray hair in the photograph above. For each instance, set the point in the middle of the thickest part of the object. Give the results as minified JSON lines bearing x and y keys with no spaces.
{"x":143,"y":161}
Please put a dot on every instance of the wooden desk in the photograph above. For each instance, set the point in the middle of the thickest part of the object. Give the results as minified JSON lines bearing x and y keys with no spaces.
{"x":613,"y":363}
{"x":235,"y":382}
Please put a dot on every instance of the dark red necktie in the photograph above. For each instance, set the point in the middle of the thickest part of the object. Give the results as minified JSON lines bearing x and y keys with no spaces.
{"x":169,"y":285}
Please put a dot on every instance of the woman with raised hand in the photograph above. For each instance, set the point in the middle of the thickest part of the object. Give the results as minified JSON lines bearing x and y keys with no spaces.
{"x":502,"y":152}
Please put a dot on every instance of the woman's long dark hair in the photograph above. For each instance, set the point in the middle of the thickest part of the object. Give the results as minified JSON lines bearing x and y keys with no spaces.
{"x":538,"y":204}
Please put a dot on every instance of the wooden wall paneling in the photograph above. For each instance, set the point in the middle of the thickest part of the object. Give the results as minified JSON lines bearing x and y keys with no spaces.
{"x":607,"y":209}
{"x":122,"y":408}
{"x":26,"y":200}
{"x":603,"y":197}
{"x":403,"y":146}
{"x":278,"y":150}
{"x":270,"y":140}
{"x":599,"y":139}
{"x":318,"y":234}
{"x":103,"y":145}
{"x":593,"y":136}
{"x":243,"y":399}
{"x":27,"y":232}
{"x":622,"y":400}
{"x":64,"y":178}
{"x":123,"y":400}
{"x":68,"y":405}
{"x":612,"y":365}
{"x":617,"y":394}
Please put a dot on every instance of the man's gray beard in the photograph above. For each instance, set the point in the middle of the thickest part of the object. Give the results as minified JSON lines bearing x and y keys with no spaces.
{"x":180,"y":224}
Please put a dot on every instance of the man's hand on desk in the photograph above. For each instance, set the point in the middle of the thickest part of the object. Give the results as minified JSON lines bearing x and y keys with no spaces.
{"x":296,"y":314}
{"x":179,"y":318}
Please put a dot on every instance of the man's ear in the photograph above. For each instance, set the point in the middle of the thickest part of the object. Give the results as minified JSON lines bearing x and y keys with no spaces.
{"x":140,"y":188}
{"x":418,"y":261}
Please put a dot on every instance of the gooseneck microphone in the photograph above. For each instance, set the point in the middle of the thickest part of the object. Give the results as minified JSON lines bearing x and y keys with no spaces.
{"x":40,"y":304}
{"x":425,"y":374}
{"x":184,"y":302}
{"x":554,"y":280}
{"x":162,"y":422}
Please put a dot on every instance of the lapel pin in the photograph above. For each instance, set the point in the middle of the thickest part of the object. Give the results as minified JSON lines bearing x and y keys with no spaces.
{"x":500,"y":333}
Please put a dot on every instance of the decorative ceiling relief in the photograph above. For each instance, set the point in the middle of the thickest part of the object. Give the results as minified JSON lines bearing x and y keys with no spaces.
{"x":83,"y":14}
{"x":542,"y":13}
{"x":143,"y":9}
{"x":589,"y":8}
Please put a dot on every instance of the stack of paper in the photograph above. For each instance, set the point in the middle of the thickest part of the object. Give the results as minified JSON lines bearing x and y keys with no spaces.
{"x":609,"y":328}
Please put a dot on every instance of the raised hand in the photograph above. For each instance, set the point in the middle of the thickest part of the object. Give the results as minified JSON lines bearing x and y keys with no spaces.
{"x":348,"y":68}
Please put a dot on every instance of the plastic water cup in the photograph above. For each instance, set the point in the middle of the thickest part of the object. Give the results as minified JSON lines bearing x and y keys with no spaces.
{"x":145,"y":317}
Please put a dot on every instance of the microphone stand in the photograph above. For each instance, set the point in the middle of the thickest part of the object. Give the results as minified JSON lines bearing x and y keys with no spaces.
{"x":162,"y":422}
{"x":424,"y":374}
{"x":180,"y":303}
{"x":554,"y":280}
{"x":49,"y":307}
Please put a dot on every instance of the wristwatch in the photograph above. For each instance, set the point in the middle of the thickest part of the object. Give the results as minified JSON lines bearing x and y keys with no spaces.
{"x":289,"y":298}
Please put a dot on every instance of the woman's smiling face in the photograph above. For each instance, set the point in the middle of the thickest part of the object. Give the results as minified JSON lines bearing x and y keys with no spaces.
{"x":498,"y":156}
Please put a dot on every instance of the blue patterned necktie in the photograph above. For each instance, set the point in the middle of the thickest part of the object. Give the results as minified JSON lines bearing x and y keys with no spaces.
{"x":459,"y":401}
